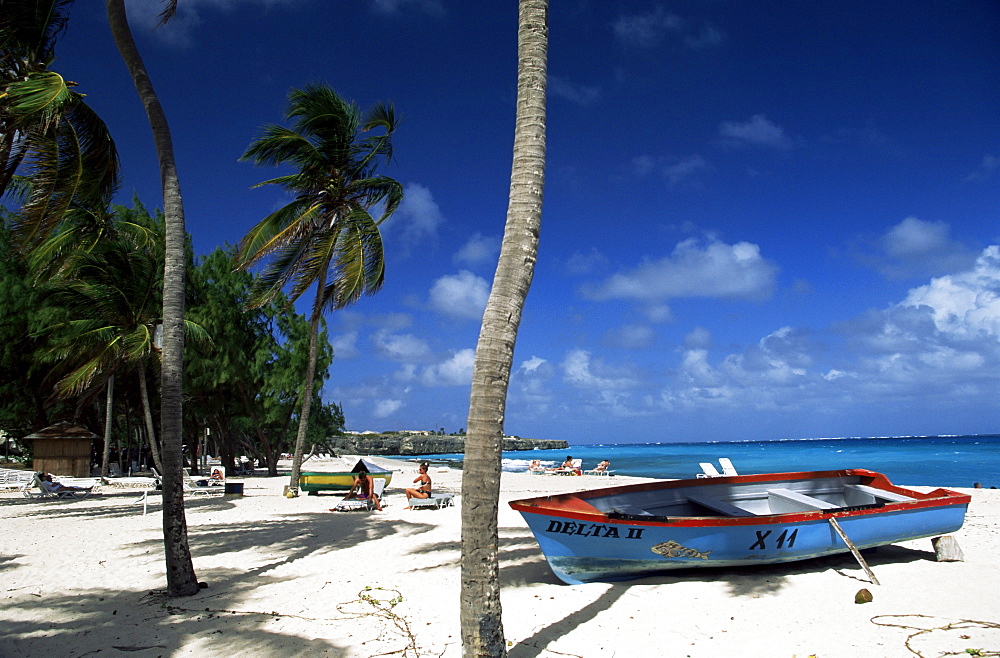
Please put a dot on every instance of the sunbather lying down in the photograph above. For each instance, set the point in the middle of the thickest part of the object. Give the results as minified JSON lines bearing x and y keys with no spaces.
{"x":52,"y":486}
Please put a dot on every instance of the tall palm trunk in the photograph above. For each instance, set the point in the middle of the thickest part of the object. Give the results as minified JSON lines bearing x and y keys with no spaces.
{"x":147,"y":414}
{"x":482,"y":627}
{"x":105,"y":467}
{"x":308,"y":385}
{"x":181,"y":579}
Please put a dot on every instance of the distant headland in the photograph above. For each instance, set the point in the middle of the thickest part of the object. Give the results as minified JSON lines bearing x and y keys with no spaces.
{"x":425,"y":443}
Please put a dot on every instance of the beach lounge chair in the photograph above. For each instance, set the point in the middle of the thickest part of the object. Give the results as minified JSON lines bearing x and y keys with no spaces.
{"x":709,"y":470}
{"x":598,"y":470}
{"x":573,"y":470}
{"x":38,"y":488}
{"x":14,"y":479}
{"x":359,"y":504}
{"x":436,"y":501}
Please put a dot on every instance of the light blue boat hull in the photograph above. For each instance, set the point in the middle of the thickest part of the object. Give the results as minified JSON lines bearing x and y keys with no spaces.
{"x":621,"y":551}
{"x":581,"y":546}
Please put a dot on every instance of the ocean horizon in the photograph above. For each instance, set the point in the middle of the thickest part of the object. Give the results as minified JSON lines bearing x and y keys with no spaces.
{"x":944,"y":460}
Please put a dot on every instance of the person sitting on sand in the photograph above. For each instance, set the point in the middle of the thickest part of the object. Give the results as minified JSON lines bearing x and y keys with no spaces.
{"x":603,"y":466}
{"x":423,"y":490}
{"x":51,"y":486}
{"x":535,"y":466}
{"x":364,"y":489}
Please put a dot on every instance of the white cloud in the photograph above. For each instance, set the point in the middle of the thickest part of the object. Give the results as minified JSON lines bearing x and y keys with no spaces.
{"x":144,"y":15}
{"x":967,"y":304}
{"x":694,"y":269}
{"x":698,"y":337}
{"x":478,"y":250}
{"x":650,"y":30}
{"x":582,"y":371}
{"x":404,"y":348}
{"x":986,"y":170}
{"x":646,"y":30}
{"x":918,"y":247}
{"x":455,"y":371}
{"x":385,"y":408}
{"x":345,"y":346}
{"x":575,"y":93}
{"x":758,"y":131}
{"x":433,"y":7}
{"x":630,"y":337}
{"x":686,"y":168}
{"x":418,"y":216}
{"x":532,"y":365}
{"x":461,"y":295}
{"x":674,"y":170}
{"x":585,"y":263}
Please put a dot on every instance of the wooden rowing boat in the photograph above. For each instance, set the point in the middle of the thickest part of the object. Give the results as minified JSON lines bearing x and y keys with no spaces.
{"x":631,"y":531}
{"x":316,"y":481}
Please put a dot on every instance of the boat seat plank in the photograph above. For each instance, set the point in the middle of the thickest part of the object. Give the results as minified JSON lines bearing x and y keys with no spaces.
{"x":785,"y":500}
{"x":631,"y":510}
{"x":720,"y":506}
{"x":880,"y":493}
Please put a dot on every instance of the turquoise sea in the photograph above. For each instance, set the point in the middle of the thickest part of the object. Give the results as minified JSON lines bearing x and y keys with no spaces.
{"x":948,"y":461}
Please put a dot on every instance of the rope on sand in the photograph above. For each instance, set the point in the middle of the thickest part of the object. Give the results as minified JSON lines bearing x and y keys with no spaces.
{"x":961,"y":624}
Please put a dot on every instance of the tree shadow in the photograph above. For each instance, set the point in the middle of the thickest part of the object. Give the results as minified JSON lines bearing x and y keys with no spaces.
{"x":535,"y":644}
{"x":95,"y":621}
{"x":223,"y":616}
{"x":522,"y":563}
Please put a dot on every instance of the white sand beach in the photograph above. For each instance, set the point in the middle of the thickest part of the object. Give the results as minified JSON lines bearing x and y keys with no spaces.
{"x":287,"y":577}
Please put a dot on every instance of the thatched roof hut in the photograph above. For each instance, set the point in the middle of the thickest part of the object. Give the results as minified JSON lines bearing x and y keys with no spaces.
{"x":63,"y":449}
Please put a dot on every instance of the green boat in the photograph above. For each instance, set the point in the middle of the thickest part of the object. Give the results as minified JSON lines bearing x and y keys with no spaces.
{"x":316,"y":481}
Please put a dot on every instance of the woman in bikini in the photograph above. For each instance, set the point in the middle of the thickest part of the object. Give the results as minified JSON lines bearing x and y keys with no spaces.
{"x":423,"y":489}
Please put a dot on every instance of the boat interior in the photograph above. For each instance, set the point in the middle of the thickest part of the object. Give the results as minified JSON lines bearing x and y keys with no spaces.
{"x":745,"y":499}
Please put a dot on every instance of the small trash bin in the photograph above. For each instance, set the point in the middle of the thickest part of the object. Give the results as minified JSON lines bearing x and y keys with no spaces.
{"x":234,"y":488}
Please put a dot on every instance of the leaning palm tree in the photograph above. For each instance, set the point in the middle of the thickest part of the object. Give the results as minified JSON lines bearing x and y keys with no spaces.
{"x":46,"y":129}
{"x":326,"y":235}
{"x":482,"y":628}
{"x":181,"y":579}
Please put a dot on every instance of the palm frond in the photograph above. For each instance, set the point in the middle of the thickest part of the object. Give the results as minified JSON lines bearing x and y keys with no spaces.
{"x":327,"y":233}
{"x":37,"y":100}
{"x":274,"y":231}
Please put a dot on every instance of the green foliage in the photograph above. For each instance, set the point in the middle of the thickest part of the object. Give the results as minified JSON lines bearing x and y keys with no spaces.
{"x":327,"y":227}
{"x":47,"y":131}
{"x":252,"y":376}
{"x":24,"y":310}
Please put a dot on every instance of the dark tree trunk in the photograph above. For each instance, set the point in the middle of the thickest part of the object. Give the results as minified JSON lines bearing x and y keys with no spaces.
{"x":181,"y":578}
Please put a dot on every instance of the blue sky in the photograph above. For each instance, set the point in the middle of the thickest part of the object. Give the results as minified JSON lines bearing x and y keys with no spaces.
{"x":762,"y":220}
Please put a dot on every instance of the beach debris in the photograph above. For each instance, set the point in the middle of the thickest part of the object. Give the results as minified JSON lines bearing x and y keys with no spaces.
{"x":863,"y":596}
{"x":946,"y":549}
{"x":938,"y":638}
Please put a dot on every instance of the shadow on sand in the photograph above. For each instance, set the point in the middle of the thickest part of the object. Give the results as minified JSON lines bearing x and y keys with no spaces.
{"x":525,"y":564}
{"x":224,"y":618}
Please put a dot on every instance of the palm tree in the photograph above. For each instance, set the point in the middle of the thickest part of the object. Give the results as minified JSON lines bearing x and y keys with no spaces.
{"x":112,"y":294}
{"x":326,"y":235}
{"x":181,"y":578}
{"x":68,"y":154}
{"x":482,"y":627}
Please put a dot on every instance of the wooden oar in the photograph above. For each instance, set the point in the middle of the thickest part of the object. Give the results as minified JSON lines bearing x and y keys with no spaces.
{"x":854,"y":550}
